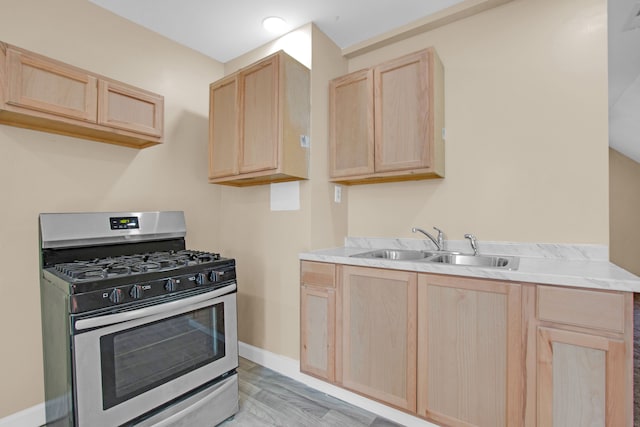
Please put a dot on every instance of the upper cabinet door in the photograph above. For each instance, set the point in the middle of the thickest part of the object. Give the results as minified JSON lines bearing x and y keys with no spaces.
{"x":36,"y":83}
{"x":351,"y":124}
{"x":259,"y":118}
{"x":131,"y":109}
{"x":223,"y":128}
{"x":402,"y":116}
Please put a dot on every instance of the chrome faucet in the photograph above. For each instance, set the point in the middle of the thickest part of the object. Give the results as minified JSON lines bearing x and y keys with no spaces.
{"x":473,"y":242}
{"x":439,"y":241}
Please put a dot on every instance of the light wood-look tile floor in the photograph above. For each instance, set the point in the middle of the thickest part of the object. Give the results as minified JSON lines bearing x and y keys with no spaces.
{"x":270,"y":399}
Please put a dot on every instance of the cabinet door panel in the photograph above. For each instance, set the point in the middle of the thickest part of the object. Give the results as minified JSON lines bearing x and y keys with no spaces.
{"x":351,"y":131}
{"x":259,"y":124}
{"x":223,"y":128}
{"x":130,"y":109}
{"x":46,"y":86}
{"x":402,"y":94}
{"x":581,"y":379}
{"x":317,"y":340}
{"x":469,"y":362}
{"x":379,"y":334}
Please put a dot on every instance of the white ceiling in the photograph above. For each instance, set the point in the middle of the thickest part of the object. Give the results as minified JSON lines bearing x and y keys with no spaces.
{"x":224,"y":30}
{"x":227,"y":29}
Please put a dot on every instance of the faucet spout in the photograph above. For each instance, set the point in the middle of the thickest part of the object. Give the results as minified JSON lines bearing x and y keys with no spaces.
{"x":439,"y":242}
{"x":473,"y":242}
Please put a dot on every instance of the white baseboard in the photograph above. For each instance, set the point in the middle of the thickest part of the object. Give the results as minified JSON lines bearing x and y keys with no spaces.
{"x":291,"y":368}
{"x":35,"y":416}
{"x":30,"y":417}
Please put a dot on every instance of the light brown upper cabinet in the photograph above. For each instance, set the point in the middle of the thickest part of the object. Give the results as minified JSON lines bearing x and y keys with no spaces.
{"x":259,"y":123}
{"x":386,"y":122}
{"x":40,"y":93}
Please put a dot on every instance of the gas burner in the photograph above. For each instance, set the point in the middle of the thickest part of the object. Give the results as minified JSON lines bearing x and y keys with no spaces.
{"x":146,"y":266}
{"x":118,"y":270}
{"x":197,"y":257}
{"x":124,"y":265}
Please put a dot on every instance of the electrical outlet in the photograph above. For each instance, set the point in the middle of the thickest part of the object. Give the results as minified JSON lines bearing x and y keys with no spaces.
{"x":337,"y":194}
{"x":304,"y":141}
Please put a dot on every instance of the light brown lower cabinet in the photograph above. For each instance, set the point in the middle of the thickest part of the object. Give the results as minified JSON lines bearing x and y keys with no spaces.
{"x":469,"y":351}
{"x":317,"y":319}
{"x":580,"y":379}
{"x":584,"y":358}
{"x":461,"y":351}
{"x":376,"y":352}
{"x":318,"y":311}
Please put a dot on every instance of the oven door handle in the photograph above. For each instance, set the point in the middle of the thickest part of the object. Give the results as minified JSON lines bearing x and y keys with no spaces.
{"x":110,"y":319}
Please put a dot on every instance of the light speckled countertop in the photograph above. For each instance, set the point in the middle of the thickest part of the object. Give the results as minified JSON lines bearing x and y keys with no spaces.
{"x":585,"y":266}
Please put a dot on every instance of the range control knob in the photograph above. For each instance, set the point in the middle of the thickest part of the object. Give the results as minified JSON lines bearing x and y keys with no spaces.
{"x":200,"y":279}
{"x":213,"y":276}
{"x":171,"y":285}
{"x":136,"y":292}
{"x":116,"y":296}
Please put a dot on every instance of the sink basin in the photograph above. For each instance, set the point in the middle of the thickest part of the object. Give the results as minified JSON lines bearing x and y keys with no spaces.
{"x":442,"y":257}
{"x":510,"y":263}
{"x":397,"y":254}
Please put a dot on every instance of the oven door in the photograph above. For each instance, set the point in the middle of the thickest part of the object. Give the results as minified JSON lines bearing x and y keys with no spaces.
{"x":127,"y":364}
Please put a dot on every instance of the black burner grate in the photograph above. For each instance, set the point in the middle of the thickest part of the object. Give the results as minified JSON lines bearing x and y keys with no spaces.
{"x":119,"y":266}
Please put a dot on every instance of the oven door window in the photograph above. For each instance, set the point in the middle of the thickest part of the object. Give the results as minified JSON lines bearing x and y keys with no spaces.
{"x":139,"y":359}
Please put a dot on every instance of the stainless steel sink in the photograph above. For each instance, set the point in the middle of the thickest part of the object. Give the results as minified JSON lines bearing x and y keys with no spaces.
{"x":443,"y":257}
{"x":509,"y":263}
{"x":396,"y":254}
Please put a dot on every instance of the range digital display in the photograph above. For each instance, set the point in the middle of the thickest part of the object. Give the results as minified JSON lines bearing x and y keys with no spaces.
{"x":124,"y":222}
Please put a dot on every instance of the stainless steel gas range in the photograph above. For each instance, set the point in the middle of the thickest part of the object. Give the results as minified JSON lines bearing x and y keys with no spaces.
{"x":137,"y":330}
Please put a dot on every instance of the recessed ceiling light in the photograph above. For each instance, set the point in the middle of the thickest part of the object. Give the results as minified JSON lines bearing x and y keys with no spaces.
{"x":274,"y":24}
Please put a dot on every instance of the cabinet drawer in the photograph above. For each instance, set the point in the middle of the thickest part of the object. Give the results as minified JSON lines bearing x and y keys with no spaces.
{"x":318,"y":274}
{"x":580,"y":307}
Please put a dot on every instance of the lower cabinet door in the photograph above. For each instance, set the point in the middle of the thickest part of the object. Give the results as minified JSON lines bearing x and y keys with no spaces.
{"x":581,"y":379}
{"x":469,"y":351}
{"x":317,"y":333}
{"x":377,"y":355}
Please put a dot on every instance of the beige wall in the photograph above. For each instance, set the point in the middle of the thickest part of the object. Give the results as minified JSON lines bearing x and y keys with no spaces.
{"x":526,"y":157}
{"x":526,"y":119}
{"x":266,"y":243}
{"x":624,"y":181}
{"x":42,"y":172}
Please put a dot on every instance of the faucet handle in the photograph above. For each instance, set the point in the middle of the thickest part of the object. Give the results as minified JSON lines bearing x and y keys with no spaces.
{"x":440,"y":237}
